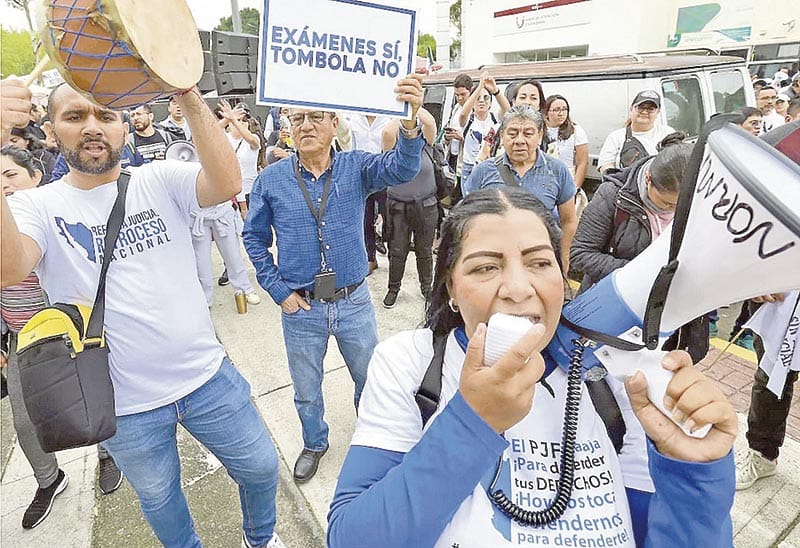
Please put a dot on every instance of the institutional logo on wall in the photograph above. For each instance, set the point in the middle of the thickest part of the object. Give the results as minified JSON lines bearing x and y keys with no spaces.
{"x":712,"y":24}
{"x":510,"y":17}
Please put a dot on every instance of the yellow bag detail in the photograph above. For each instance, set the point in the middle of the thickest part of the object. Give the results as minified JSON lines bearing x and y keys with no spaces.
{"x":60,"y":321}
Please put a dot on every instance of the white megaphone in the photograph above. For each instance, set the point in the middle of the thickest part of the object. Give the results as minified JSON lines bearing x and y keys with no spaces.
{"x":736,"y":235}
{"x":181,"y":150}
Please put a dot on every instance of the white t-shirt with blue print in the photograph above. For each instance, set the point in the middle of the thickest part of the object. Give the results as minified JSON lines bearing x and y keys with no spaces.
{"x":158,"y":328}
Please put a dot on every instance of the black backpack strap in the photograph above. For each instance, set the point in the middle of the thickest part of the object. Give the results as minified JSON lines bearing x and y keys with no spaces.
{"x":505,"y":172}
{"x":632,"y":149}
{"x":469,"y":124}
{"x":430,"y":391}
{"x":607,"y":407}
{"x":94,"y":329}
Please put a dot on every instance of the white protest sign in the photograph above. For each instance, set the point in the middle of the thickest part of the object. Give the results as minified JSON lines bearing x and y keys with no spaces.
{"x":335,"y":55}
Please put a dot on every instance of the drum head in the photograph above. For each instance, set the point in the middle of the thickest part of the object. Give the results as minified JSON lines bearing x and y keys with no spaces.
{"x":165,"y":36}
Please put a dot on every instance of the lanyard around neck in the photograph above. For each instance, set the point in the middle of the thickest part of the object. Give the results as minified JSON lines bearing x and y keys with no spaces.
{"x":317,"y":214}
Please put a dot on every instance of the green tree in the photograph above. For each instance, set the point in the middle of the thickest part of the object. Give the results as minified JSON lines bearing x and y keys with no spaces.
{"x":16,"y":52}
{"x":425,"y":41}
{"x":251,"y":21}
{"x":455,"y":20}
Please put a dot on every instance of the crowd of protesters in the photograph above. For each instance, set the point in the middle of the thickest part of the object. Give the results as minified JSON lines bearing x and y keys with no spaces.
{"x":313,"y":185}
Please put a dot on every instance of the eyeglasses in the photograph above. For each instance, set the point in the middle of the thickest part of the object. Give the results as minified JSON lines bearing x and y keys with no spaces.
{"x":559,"y":110}
{"x":646,"y":107}
{"x":485,"y":98}
{"x":316,"y":117}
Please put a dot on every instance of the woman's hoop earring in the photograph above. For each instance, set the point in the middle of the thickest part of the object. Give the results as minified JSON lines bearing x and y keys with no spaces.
{"x":453,"y":306}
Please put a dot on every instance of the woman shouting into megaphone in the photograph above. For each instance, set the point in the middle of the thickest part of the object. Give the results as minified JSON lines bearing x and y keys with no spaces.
{"x":517,"y":453}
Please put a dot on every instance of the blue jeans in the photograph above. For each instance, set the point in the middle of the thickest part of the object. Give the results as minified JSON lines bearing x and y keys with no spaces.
{"x":466,"y":171}
{"x":221,"y":416}
{"x":351,"y":321}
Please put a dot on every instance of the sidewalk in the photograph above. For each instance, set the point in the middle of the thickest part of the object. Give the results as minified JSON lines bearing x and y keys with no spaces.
{"x":764,"y":516}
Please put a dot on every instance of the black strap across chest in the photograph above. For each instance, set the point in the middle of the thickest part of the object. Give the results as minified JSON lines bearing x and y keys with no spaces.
{"x":318,"y":215}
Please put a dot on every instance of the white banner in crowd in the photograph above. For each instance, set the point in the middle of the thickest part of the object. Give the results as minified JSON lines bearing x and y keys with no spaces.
{"x":778,"y":324}
{"x":335,"y":55}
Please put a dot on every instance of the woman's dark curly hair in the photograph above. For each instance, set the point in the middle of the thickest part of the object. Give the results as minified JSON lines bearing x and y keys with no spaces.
{"x":491,"y":201}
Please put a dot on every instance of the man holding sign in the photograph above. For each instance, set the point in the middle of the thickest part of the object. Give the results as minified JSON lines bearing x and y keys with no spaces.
{"x":314,"y":200}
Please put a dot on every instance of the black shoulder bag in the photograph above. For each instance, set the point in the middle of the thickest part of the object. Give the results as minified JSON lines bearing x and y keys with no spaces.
{"x":63,"y":361}
{"x":632,"y":149}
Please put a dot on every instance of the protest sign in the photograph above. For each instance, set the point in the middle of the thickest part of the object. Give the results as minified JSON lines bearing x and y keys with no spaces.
{"x":335,"y":55}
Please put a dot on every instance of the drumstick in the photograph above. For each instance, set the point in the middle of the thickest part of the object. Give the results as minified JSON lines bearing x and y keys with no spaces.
{"x":37,"y":71}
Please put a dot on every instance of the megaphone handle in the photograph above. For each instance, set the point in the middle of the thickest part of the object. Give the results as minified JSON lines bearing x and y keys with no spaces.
{"x":657,"y":380}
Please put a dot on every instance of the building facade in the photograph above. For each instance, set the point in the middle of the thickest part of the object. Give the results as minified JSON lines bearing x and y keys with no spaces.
{"x":765,"y":32}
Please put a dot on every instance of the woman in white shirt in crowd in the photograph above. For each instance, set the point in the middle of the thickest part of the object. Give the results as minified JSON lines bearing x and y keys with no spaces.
{"x":567,"y":141}
{"x":640,"y":136}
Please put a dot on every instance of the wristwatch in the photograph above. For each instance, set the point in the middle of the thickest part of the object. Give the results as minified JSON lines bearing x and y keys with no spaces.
{"x":496,"y":93}
{"x":413,"y":132}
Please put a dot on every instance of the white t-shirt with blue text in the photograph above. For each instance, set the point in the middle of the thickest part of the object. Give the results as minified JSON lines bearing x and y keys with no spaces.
{"x":598,"y":513}
{"x":157,"y":324}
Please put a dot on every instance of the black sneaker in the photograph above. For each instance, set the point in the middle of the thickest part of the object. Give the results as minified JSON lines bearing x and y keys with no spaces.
{"x":43,"y":502}
{"x":380,"y":247}
{"x":109,"y":477}
{"x":390,"y":299}
{"x":223,"y":280}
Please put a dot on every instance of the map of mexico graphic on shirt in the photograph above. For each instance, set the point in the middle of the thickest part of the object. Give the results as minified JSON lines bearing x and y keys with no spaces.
{"x":77,"y":235}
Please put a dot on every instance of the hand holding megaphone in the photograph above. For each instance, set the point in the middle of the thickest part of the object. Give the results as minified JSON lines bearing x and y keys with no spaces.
{"x":695,"y":402}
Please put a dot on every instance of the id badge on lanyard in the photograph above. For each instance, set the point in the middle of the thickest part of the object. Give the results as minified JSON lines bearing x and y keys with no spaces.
{"x":325,"y":281}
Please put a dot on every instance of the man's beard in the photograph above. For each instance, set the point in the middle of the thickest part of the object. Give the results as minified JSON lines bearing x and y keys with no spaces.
{"x":93,"y":166}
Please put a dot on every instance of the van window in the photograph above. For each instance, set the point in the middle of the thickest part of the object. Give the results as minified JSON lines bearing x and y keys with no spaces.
{"x":683,"y":105}
{"x":728,"y":88}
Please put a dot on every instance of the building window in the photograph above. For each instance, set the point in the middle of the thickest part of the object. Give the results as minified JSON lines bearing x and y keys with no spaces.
{"x":545,"y":54}
{"x":789,"y":50}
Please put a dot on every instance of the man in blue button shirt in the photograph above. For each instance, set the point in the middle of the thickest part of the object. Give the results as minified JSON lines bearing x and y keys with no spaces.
{"x":526,"y":166}
{"x":314,"y":200}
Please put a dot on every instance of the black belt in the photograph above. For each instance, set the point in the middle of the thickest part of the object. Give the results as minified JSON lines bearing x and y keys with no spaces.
{"x":340,"y":293}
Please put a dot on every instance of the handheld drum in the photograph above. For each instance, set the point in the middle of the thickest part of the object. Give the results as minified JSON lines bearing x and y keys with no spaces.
{"x":123,"y":53}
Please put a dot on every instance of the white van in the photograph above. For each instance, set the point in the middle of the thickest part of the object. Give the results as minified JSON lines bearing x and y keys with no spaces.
{"x":600,"y":89}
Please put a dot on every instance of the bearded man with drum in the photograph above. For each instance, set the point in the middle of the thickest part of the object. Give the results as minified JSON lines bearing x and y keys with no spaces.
{"x":166,"y":364}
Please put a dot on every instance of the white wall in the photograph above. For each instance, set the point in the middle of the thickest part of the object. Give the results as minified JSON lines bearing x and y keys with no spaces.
{"x":443,"y":33}
{"x":611,"y":26}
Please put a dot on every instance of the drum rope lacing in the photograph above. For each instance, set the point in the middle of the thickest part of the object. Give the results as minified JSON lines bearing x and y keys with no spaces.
{"x":59,"y":33}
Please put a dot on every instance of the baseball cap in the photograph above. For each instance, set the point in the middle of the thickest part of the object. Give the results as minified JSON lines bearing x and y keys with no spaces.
{"x":796,"y":78}
{"x":782,"y":97}
{"x":646,"y":96}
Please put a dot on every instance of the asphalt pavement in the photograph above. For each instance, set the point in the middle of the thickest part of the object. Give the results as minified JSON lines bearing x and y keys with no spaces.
{"x":766,"y":515}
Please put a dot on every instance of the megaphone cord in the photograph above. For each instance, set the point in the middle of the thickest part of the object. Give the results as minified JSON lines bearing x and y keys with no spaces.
{"x":567,"y":474}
